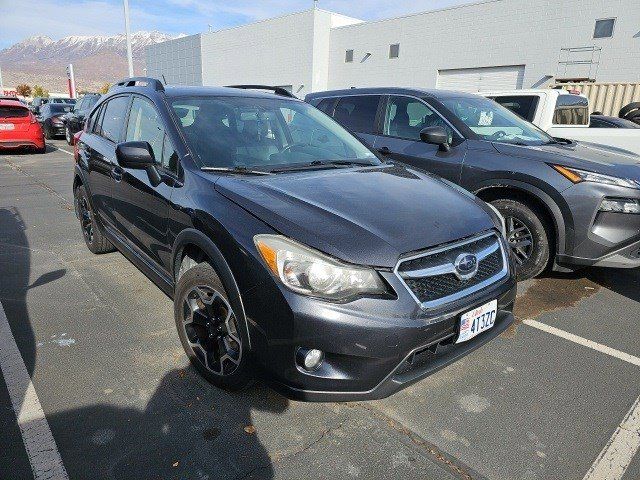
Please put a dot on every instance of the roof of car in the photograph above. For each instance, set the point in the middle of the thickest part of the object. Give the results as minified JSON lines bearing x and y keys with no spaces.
{"x":423,"y":92}
{"x":11,"y":103}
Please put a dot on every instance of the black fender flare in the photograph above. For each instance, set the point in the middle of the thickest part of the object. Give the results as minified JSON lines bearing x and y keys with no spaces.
{"x":202,"y":241}
{"x":559,"y":221}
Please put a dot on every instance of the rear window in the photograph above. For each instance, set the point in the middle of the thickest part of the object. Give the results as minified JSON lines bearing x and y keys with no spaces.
{"x":357,"y":113}
{"x":523,"y":105}
{"x":13,"y":112}
{"x":571,"y":110}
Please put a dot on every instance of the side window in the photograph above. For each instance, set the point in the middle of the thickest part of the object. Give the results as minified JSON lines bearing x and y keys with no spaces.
{"x":113,"y":118}
{"x":97,"y":124}
{"x":405,"y":117}
{"x":358,"y":113}
{"x":326,"y":105}
{"x":169,"y":156}
{"x":571,"y":110}
{"x":145,"y":125}
{"x":524,"y":105}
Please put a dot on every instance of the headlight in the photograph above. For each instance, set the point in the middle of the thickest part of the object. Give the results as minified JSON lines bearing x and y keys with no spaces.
{"x":310,"y":272}
{"x":502,"y":226}
{"x":577,"y":176}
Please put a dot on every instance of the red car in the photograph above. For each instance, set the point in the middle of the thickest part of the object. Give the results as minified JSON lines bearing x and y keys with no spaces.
{"x":19,"y":128}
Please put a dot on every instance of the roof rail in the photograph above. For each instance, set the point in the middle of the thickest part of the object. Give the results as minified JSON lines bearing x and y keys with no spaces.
{"x":140,"y":82}
{"x":277,"y":90}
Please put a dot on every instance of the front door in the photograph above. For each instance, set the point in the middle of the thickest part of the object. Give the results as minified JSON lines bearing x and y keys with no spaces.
{"x":139,"y":207}
{"x":404,"y":118}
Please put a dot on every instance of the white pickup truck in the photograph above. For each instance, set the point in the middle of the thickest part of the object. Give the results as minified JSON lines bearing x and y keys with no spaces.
{"x":563,"y":114}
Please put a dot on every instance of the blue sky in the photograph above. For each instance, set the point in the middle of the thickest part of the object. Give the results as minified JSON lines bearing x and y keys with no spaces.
{"x":59,"y":18}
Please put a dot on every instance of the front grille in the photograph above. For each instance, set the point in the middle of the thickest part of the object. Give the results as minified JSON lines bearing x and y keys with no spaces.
{"x":433,"y":279}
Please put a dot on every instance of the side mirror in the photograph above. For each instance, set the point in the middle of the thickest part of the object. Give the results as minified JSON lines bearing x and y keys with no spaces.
{"x":139,"y":156}
{"x":135,"y":155}
{"x":436,"y":136}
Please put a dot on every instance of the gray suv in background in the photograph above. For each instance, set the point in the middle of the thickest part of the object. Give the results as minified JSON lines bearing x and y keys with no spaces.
{"x":566,"y":204}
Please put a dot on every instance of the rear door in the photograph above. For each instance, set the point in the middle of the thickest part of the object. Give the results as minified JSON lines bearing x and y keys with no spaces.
{"x":403,"y":119}
{"x":358,"y":114}
{"x":99,"y":142}
{"x":139,"y":207}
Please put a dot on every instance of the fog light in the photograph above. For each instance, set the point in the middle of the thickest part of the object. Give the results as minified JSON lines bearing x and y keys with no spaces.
{"x":310,"y":359}
{"x":620,"y":205}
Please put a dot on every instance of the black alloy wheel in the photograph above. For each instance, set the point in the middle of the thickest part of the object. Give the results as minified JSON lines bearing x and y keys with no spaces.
{"x":211,"y":330}
{"x":93,"y":237}
{"x":520,"y":240}
{"x":527,"y":235}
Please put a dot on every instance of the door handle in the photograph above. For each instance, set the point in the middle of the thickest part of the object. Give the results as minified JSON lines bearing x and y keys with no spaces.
{"x":116,"y":173}
{"x":384,"y":150}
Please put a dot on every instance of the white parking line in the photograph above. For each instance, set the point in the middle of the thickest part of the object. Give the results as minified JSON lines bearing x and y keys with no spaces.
{"x":616,"y":456}
{"x":61,"y":149}
{"x":583,"y":341}
{"x":38,"y":440}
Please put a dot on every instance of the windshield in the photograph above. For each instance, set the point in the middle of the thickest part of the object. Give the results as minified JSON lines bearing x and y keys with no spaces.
{"x":264,"y":133}
{"x":491,"y":121}
{"x":59,"y":108}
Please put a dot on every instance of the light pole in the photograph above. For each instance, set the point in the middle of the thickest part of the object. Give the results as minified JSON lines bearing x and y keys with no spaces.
{"x":128,"y":32}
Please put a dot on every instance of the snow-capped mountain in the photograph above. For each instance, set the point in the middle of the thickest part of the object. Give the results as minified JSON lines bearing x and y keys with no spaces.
{"x":97,"y":59}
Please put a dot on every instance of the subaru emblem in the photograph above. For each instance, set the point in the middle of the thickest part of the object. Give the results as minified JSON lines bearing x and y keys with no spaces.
{"x":466,"y":266}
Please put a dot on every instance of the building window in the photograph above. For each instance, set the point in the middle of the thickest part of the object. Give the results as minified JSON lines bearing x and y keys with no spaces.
{"x":394,"y":50}
{"x":348,"y":58}
{"x":604,"y":28}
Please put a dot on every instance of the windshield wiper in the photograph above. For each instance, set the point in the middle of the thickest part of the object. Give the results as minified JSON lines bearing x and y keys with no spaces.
{"x":559,"y":141}
{"x":239,"y":170}
{"x":321,"y":164}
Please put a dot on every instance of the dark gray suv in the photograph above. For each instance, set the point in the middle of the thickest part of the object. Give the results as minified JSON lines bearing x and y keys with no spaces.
{"x":566,"y":204}
{"x":288,"y":247}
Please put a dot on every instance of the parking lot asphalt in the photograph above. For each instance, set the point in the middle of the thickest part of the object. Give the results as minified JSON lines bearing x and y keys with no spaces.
{"x":552,"y":398}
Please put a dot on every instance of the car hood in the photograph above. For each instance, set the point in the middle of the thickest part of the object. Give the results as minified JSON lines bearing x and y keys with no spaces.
{"x":367,"y":216}
{"x":581,"y":155}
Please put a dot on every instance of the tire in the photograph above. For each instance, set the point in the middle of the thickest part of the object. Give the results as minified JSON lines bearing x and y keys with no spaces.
{"x":195,"y":288}
{"x":47,"y":132}
{"x":67,"y":135}
{"x":528,"y":237}
{"x":627,"y":109}
{"x":96,"y":242}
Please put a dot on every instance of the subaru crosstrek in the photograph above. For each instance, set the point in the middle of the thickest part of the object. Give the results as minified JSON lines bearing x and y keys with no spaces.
{"x":567,"y":204}
{"x":288,"y":247}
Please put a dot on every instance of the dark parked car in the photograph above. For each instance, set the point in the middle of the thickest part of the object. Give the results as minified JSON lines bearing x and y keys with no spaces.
{"x":50,"y":117}
{"x":38,"y":102}
{"x":604,"y":121}
{"x":566,"y":204}
{"x":74,"y":120}
{"x":295,"y":252}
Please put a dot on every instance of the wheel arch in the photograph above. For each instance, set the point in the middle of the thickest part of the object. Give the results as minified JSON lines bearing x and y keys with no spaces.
{"x":195,"y":245}
{"x":515,"y":190}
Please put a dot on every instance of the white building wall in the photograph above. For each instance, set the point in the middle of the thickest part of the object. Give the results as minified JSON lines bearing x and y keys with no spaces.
{"x":179,"y":60}
{"x":487,"y":34}
{"x":277,"y":51}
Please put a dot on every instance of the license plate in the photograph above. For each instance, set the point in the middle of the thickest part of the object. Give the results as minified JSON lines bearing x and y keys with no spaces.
{"x":7,"y":126}
{"x":477,"y":321}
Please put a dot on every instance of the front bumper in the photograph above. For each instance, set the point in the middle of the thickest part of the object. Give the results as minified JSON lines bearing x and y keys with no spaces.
{"x":373,"y":347}
{"x":602,"y":239}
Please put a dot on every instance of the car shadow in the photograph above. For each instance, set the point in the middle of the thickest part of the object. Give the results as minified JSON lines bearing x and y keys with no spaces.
{"x":625,"y":282}
{"x":187,"y":429}
{"x":49,"y":148}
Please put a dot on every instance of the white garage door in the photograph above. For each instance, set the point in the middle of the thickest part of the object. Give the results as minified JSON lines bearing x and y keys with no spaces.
{"x":481,"y":79}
